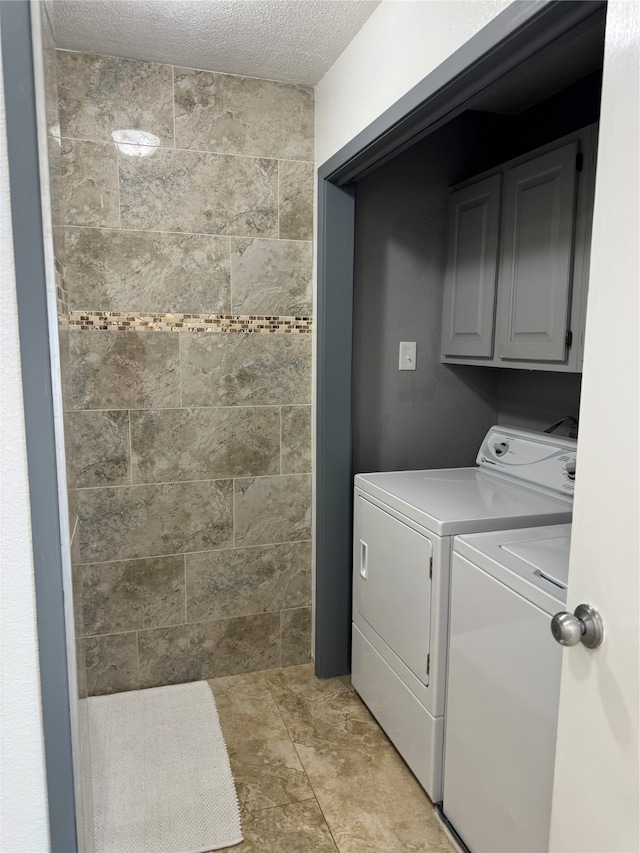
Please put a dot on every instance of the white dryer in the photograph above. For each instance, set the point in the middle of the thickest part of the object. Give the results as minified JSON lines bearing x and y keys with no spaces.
{"x":503,"y":687}
{"x":404,"y":524}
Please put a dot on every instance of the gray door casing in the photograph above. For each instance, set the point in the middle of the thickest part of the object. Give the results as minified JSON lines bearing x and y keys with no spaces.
{"x":35,"y":356}
{"x":515,"y":37}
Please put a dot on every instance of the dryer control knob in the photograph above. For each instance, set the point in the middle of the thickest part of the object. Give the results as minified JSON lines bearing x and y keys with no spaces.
{"x":570,"y":468}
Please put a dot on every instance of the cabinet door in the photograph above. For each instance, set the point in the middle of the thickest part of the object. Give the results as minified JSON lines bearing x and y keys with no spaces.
{"x":534,"y":285}
{"x":470,"y":283}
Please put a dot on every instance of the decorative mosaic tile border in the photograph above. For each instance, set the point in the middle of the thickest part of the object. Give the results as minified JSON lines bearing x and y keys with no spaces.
{"x":129,"y":321}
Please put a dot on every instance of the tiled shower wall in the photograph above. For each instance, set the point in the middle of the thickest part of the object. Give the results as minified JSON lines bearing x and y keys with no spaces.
{"x":187,"y":269}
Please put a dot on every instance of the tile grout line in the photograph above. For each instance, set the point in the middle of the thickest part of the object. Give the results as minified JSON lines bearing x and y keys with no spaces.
{"x":180,"y":408}
{"x":189,"y":624}
{"x":183,"y":482}
{"x":304,"y":769}
{"x":308,"y":799}
{"x":278,"y":200}
{"x":118,"y":186}
{"x":233,"y":512}
{"x":180,"y":377}
{"x":174,"y":147}
{"x":281,"y":441}
{"x":186,"y":620}
{"x":75,"y":227}
{"x":229,"y":239}
{"x":130,"y":453}
{"x":208,"y":551}
{"x":315,"y":793}
{"x":173,"y":102}
{"x":138,"y":656}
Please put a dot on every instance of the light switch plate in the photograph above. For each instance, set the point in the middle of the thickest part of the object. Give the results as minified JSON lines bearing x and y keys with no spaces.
{"x":407,"y":360}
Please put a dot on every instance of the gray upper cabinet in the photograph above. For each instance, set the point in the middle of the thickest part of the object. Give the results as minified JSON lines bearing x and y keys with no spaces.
{"x":472,"y":267}
{"x":518,"y":260}
{"x":535,"y":267}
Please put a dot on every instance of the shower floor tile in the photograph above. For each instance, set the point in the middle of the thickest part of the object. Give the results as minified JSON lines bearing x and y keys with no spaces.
{"x":315,"y":772}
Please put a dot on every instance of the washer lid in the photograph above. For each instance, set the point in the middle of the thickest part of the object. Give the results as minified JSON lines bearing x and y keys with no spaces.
{"x":533,"y":562}
{"x":449,"y":501}
{"x":549,"y":557}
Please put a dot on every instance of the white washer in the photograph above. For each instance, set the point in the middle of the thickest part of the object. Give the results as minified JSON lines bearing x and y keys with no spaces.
{"x":503,"y":687}
{"x":404,"y":523}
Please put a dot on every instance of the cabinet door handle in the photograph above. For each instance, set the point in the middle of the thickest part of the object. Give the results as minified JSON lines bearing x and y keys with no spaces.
{"x":363,"y":559}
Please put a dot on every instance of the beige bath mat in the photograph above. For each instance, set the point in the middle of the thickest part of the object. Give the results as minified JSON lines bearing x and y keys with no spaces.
{"x":160,"y":770}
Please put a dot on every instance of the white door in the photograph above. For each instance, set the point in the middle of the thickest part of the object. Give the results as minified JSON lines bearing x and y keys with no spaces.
{"x":596,"y":793}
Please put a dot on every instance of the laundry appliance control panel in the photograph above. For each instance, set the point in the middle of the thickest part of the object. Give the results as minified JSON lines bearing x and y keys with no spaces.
{"x":538,"y":458}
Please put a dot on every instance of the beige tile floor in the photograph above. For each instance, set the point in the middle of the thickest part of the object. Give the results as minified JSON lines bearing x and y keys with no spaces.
{"x":315,"y":772}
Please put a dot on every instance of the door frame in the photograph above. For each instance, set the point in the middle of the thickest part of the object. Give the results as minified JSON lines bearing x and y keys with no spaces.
{"x":41,"y":400}
{"x":512,"y":39}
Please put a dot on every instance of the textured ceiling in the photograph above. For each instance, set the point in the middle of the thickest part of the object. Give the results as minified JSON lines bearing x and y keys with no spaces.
{"x":291,"y":40}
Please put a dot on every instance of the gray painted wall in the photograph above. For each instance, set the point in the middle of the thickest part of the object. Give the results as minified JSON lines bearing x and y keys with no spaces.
{"x":437,"y":415}
{"x":535,"y":399}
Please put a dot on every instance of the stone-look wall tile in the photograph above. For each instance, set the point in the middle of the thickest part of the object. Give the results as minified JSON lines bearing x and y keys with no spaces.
{"x":112,"y":663}
{"x":147,"y":272}
{"x":64,"y":341}
{"x":209,"y":649}
{"x":272,"y":509}
{"x":271,"y":277}
{"x":76,"y":591}
{"x":204,"y":444}
{"x":89,"y":183}
{"x":127,"y":522}
{"x":242,"y":115}
{"x":72,"y":500}
{"x":242,"y":581}
{"x":133,"y":594}
{"x":201,"y":193}
{"x":53,"y":139}
{"x":81,"y":670}
{"x":124,"y":370}
{"x":295,"y":193}
{"x":50,"y":76}
{"x":97,"y":448}
{"x":244,"y":189}
{"x":245,"y":370}
{"x":102,"y":94}
{"x":296,"y":636}
{"x":296,"y":439}
{"x":54,"y":156}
